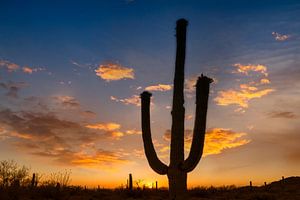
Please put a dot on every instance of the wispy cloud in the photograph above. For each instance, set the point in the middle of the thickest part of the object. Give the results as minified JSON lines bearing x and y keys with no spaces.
{"x":9,"y":66}
{"x":113,"y":72}
{"x":104,"y":126}
{"x":282,"y":114}
{"x":13,"y":88}
{"x":133,"y":100}
{"x":240,"y":97}
{"x":67,"y":101}
{"x":246,"y":69}
{"x":62,"y":141}
{"x":190,"y":83}
{"x":245,"y":92}
{"x":112,"y":129}
{"x":100,"y":157}
{"x":280,"y":37}
{"x":29,"y":70}
{"x":159,"y":87}
{"x":216,"y":140}
{"x":88,"y":114}
{"x":265,"y":81}
{"x":188,"y":117}
{"x":13,"y":67}
{"x":133,"y":132}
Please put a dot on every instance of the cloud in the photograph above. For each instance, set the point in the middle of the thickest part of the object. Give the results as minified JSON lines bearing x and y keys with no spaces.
{"x":188,"y":117}
{"x":76,"y":64}
{"x":113,"y":72}
{"x":29,"y":70}
{"x":133,"y":132}
{"x":254,"y":89}
{"x":265,"y":81}
{"x":159,"y":87}
{"x":67,"y":101}
{"x":245,"y":69}
{"x":112,"y":129}
{"x":88,"y":114}
{"x":13,"y":88}
{"x":240,"y":97}
{"x":133,"y":100}
{"x":280,"y":37}
{"x":216,"y":140}
{"x":9,"y":66}
{"x":13,"y":67}
{"x":63,"y":141}
{"x":282,"y":114}
{"x":190,"y":84}
{"x":104,"y":126}
{"x":100,"y":157}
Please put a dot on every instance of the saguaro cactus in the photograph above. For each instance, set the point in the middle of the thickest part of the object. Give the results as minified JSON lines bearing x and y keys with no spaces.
{"x":178,"y":168}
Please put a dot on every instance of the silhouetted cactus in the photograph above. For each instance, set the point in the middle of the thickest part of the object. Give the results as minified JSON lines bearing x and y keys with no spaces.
{"x":33,"y":181}
{"x":130,"y":187}
{"x":178,"y":168}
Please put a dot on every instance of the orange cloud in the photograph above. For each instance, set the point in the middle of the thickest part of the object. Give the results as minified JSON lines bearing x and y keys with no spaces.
{"x":240,"y":97}
{"x":64,"y":142}
{"x":10,"y":67}
{"x":29,"y":70}
{"x":245,"y":69}
{"x":117,"y":134}
{"x":133,"y":100}
{"x":111,"y":129}
{"x":113,"y":72}
{"x":247,"y":91}
{"x":264,"y":81}
{"x":188,"y":117}
{"x":104,"y":126}
{"x":133,"y":132}
{"x":216,"y":140}
{"x":159,"y":87}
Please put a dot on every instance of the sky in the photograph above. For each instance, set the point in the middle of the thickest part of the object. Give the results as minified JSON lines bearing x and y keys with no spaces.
{"x":71,"y":74}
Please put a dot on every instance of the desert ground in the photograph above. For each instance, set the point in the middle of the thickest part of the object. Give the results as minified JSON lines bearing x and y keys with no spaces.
{"x":287,"y":190}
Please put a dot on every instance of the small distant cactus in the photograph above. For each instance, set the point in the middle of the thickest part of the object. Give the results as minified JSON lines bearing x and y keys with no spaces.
{"x":33,"y":180}
{"x":179,"y":167}
{"x":130,"y":184}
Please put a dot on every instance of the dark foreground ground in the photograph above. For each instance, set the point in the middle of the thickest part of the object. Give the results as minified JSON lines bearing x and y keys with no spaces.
{"x":289,"y":189}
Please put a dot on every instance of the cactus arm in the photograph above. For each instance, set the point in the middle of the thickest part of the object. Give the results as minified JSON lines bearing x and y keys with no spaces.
{"x":202,"y":92}
{"x":154,"y":162}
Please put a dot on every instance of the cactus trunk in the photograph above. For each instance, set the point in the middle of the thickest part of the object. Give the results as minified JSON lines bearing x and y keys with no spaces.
{"x":178,"y":168}
{"x":130,"y":182}
{"x":33,"y":180}
{"x":177,"y":177}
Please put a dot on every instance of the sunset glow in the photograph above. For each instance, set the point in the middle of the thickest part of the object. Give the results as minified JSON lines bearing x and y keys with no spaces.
{"x":71,"y":75}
